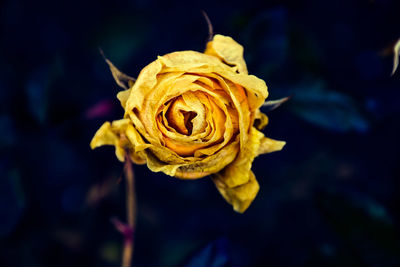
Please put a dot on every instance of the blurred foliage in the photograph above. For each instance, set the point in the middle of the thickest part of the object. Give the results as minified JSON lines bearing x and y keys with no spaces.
{"x":214,"y":255}
{"x":330,"y":198}
{"x":326,"y":108}
{"x":12,"y":201}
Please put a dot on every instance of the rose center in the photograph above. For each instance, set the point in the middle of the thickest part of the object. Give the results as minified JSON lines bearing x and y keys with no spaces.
{"x":188,"y":116}
{"x":183,"y":117}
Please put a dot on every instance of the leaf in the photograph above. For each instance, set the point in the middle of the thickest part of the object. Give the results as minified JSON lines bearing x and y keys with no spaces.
{"x":214,"y":254}
{"x":120,"y":78}
{"x":37,"y":93}
{"x":12,"y":200}
{"x":8,"y":136}
{"x":273,"y":104}
{"x":396,"y":50}
{"x":38,"y":86}
{"x":327,"y":108}
{"x":362,"y":223}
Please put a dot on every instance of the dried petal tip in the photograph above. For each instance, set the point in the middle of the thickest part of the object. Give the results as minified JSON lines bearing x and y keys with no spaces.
{"x":228,"y":50}
{"x":396,"y":51}
{"x":241,"y":196}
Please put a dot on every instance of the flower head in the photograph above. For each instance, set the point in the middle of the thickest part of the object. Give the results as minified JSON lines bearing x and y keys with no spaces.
{"x":192,"y":114}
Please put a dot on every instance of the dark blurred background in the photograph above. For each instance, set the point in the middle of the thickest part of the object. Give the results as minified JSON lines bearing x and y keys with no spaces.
{"x":330,"y":198}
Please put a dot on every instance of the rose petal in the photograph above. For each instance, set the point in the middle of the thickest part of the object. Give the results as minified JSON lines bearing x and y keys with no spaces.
{"x":196,"y":106}
{"x":146,"y":81}
{"x":268,"y":145}
{"x":239,"y":99}
{"x":119,"y":134}
{"x":106,"y":136}
{"x":186,"y":60}
{"x":260,"y":120}
{"x":123,"y":97}
{"x":192,"y":170}
{"x":257,"y":90}
{"x":228,"y":50}
{"x":195,"y":62}
{"x":237,"y":173}
{"x":241,"y":196}
{"x":209,"y":165}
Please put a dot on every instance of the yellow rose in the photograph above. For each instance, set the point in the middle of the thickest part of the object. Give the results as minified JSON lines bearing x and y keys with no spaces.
{"x":192,"y":114}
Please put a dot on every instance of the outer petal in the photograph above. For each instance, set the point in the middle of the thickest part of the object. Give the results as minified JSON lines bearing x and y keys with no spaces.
{"x":261,"y":120}
{"x":268,"y":145}
{"x":228,"y":50}
{"x":118,"y":134}
{"x":240,"y":197}
{"x":106,"y":135}
{"x":123,"y":97}
{"x":210,"y":164}
{"x":191,"y":60}
{"x":238,"y":172}
{"x":236,"y":182}
{"x":257,"y":90}
{"x":191,"y":170}
{"x":146,"y":81}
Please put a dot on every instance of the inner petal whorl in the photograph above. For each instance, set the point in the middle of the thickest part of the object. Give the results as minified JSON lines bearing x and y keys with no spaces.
{"x":188,"y":116}
{"x":179,"y":116}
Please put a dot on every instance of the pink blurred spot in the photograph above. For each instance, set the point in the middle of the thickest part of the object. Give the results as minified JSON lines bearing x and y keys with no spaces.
{"x":100,"y":109}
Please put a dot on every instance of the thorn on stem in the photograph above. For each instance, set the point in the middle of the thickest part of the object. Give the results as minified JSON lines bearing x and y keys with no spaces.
{"x":124,"y":229}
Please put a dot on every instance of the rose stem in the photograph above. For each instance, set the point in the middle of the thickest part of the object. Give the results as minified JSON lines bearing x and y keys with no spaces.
{"x":130,"y":211}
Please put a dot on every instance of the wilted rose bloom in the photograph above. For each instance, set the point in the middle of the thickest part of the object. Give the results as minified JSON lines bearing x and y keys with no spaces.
{"x":192,"y":114}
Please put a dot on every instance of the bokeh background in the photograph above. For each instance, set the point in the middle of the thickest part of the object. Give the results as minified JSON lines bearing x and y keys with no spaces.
{"x":330,"y":198}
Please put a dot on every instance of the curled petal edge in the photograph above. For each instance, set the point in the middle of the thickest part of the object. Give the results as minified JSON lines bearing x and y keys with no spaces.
{"x":228,"y":50}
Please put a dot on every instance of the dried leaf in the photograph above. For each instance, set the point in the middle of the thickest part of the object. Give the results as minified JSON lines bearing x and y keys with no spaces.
{"x":396,"y":51}
{"x":273,"y":104}
{"x":123,"y":80}
{"x":12,"y":198}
